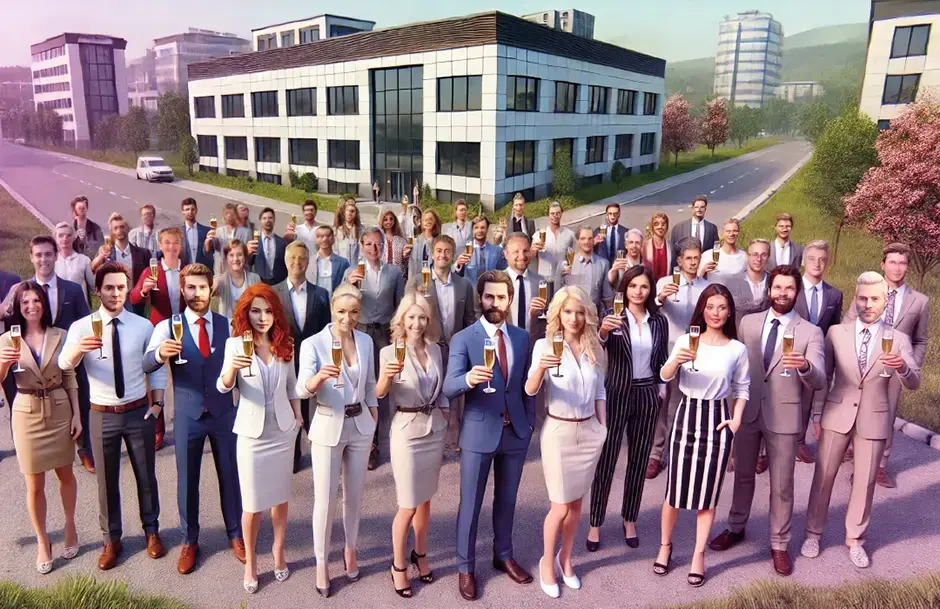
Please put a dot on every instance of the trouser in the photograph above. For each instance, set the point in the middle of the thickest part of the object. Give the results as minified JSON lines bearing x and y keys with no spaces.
{"x":454,"y":419}
{"x":806,"y":403}
{"x":305,"y":415}
{"x":379,"y":333}
{"x":666,"y":416}
{"x":84,"y":407}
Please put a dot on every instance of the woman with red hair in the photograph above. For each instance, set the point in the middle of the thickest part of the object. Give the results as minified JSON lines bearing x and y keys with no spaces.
{"x":258,"y":359}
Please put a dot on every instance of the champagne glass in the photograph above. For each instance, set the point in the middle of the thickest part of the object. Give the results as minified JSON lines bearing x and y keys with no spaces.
{"x":178,"y":335}
{"x":558,"y":347}
{"x":569,"y":257}
{"x":107,"y":242}
{"x":694,"y":334}
{"x":400,"y":356}
{"x":361,"y":267}
{"x":154,"y":271}
{"x":337,"y":354}
{"x":426,"y":278}
{"x":97,"y":327}
{"x":603,"y":231}
{"x":213,"y":222}
{"x":256,"y":235}
{"x":887,"y":342}
{"x":618,"y":309}
{"x":787,"y":347}
{"x":468,"y":248}
{"x":676,"y":276}
{"x":716,"y":251}
{"x":543,"y":294}
{"x":248,"y":346}
{"x":622,"y":254}
{"x":15,"y":338}
{"x":489,"y":359}
{"x":293,"y":220}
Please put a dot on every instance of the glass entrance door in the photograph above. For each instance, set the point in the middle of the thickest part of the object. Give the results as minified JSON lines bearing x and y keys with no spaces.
{"x":397,"y":186}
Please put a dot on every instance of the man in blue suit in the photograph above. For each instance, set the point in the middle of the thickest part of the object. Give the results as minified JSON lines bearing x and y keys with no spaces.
{"x":485,"y":256}
{"x":202,"y":412}
{"x":497,"y":425}
{"x":267,"y":252}
{"x":194,"y":236}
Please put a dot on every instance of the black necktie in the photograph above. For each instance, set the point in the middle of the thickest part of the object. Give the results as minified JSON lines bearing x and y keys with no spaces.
{"x":771,"y":344}
{"x":516,"y":225}
{"x":116,"y":359}
{"x":521,"y":296}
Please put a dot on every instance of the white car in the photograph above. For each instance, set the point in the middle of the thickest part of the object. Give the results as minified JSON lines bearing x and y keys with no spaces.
{"x":19,"y":141}
{"x":153,"y":168}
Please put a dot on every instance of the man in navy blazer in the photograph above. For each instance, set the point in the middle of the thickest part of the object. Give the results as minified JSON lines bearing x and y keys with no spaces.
{"x":194,"y":236}
{"x":614,"y":238}
{"x":267,"y":252}
{"x":485,"y":257}
{"x":497,"y":425}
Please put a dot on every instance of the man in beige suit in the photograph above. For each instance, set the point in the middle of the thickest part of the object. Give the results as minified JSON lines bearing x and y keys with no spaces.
{"x":773,"y":412}
{"x":856,"y":408}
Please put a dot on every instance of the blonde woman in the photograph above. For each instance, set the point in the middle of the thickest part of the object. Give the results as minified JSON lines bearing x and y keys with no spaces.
{"x":576,"y":427}
{"x":347,"y":224}
{"x":657,"y":251}
{"x":230,"y":285}
{"x":421,"y":251}
{"x":418,"y":429}
{"x":410,"y":218}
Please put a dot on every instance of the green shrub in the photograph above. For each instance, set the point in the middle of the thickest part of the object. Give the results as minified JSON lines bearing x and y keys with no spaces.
{"x":306,"y":182}
{"x":618,"y":172}
{"x":563,"y":182}
{"x":426,"y":193}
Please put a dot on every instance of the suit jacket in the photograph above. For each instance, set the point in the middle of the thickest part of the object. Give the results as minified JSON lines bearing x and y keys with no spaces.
{"x":684,"y":229}
{"x":601,"y":249}
{"x":911,"y":319}
{"x":43,"y":374}
{"x":7,"y":282}
{"x":796,"y":255}
{"x":532,"y":281}
{"x":528,"y":227}
{"x":94,"y":238}
{"x":159,"y":300}
{"x":201,"y":256}
{"x":493,"y":260}
{"x":316,"y":318}
{"x":339,"y":266}
{"x":259,"y":262}
{"x":830,"y":311}
{"x":464,"y":310}
{"x":140,"y":262}
{"x":72,"y":305}
{"x":619,"y":349}
{"x":775,"y":398}
{"x":379,"y":307}
{"x":414,"y":425}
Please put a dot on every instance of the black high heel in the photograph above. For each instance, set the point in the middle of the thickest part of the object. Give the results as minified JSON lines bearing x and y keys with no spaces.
{"x":663,"y":569}
{"x":404,"y":592}
{"x":429,"y":578}
{"x":632,"y":542}
{"x":697,"y":580}
{"x":352,"y":577}
{"x":324,"y":592}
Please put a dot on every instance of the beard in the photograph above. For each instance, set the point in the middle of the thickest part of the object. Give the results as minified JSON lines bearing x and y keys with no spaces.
{"x":782,"y":306}
{"x":198,"y":305}
{"x":495,"y":315}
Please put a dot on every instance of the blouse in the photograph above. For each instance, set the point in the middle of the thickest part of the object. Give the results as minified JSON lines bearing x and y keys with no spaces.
{"x":721,"y":371}
{"x":728,"y":264}
{"x":571,"y":396}
{"x":641,"y":343}
{"x":76,"y":268}
{"x":660,"y":262}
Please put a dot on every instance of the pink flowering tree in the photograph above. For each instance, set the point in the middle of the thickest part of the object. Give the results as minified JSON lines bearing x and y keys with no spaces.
{"x":716,"y":124}
{"x":680,"y":129}
{"x":900,"y":199}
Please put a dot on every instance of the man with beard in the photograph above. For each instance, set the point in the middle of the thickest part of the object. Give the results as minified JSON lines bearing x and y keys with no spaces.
{"x":498,"y":421}
{"x":773,"y":411}
{"x":202,"y":412}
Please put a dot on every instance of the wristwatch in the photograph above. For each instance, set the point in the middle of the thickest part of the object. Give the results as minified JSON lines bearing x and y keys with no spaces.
{"x":157,"y":403}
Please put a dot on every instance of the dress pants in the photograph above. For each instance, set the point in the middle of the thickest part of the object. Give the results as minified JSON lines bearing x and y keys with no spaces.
{"x":107,"y":432}
{"x":894,"y":397}
{"x":868,"y":454}
{"x":84,"y":407}
{"x":305,"y":415}
{"x":348,"y":458}
{"x":379,"y":333}
{"x":454,"y":419}
{"x":189,"y":437}
{"x":806,"y":402}
{"x":507,"y":460}
{"x":664,"y":422}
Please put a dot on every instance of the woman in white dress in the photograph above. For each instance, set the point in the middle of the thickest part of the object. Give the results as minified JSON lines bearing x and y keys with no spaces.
{"x":342,"y":427}
{"x":418,"y":429}
{"x":575,"y":427}
{"x":347,"y":225}
{"x":70,"y":264}
{"x":267,"y":420}
{"x":229,"y":286}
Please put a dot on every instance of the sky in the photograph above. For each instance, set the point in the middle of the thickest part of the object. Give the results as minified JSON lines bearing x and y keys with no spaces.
{"x":671,"y":29}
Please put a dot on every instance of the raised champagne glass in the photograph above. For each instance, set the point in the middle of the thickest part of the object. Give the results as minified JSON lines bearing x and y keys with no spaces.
{"x":248,"y":346}
{"x":468,"y":248}
{"x":787,"y":347}
{"x":618,"y":309}
{"x":569,"y":257}
{"x":676,"y":277}
{"x":107,"y":242}
{"x":489,"y":360}
{"x":542,"y":236}
{"x":603,"y":232}
{"x":426,"y":278}
{"x":361,"y":267}
{"x":400,"y":356}
{"x":558,"y":347}
{"x":887,"y":342}
{"x":97,"y":328}
{"x":694,"y":335}
{"x":178,"y":335}
{"x":155,"y":271}
{"x":716,"y":251}
{"x":213,"y":222}
{"x":337,"y":354}
{"x":293,"y":220}
{"x":543,"y":294}
{"x":15,"y":338}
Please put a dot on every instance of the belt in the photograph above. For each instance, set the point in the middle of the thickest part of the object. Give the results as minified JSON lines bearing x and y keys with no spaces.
{"x":647,"y":382}
{"x":122,"y":408}
{"x":567,"y":420}
{"x":353,"y":410}
{"x":42,"y":393}
{"x":426,"y":409}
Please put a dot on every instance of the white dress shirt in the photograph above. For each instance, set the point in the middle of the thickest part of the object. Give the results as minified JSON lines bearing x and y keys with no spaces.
{"x":298,"y":301}
{"x":520,"y":306}
{"x":371,"y":282}
{"x":445,"y":302}
{"x":785,"y":320}
{"x":123,"y":256}
{"x":53,"y":293}
{"x":163,"y":332}
{"x":759,"y":289}
{"x":173,"y":284}
{"x":141,"y":238}
{"x":728,"y":264}
{"x":723,"y":372}
{"x":308,"y":234}
{"x":641,"y":344}
{"x":873,"y":349}
{"x":697,"y":230}
{"x":192,"y":241}
{"x":571,"y":396}
{"x":490,"y":330}
{"x":76,"y":268}
{"x":808,"y":294}
{"x":556,"y":246}
{"x":679,"y":314}
{"x":782,"y":252}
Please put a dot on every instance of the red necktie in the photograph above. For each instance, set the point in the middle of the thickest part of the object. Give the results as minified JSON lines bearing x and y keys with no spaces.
{"x":203,"y":337}
{"x":504,"y":368}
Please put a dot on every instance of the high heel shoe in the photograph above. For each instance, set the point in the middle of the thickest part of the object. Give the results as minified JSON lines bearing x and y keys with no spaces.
{"x":250,"y":587}
{"x":663,"y":569}
{"x":281,"y":575}
{"x":551,"y":590}
{"x":697,"y":580}
{"x":632,"y":542}
{"x":573,"y":582}
{"x":429,"y":578}
{"x":592,"y":546}
{"x":71,"y":552}
{"x":403,"y":592}
{"x":45,"y":567}
{"x":324,"y":592}
{"x":352,"y":577}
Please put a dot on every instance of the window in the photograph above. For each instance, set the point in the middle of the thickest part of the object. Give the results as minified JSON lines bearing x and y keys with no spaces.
{"x":563,"y":144}
{"x":56,"y":71}
{"x":626,"y":101}
{"x":97,"y":72}
{"x":267,"y":42}
{"x":910,"y":41}
{"x":650,"y":102}
{"x":398,"y":120}
{"x":205,"y":107}
{"x":522,"y":94}
{"x":342,"y":100}
{"x":884,"y":124}
{"x":270,"y":178}
{"x":341,"y":188}
{"x":264,"y":104}
{"x":342,"y":30}
{"x":647,"y":143}
{"x":459,"y":93}
{"x":208,"y":145}
{"x":598,"y":100}
{"x":449,"y":196}
{"x":303,"y":151}
{"x":236,"y":148}
{"x":267,"y":150}
{"x":233,"y":106}
{"x":648,"y":168}
{"x":208,"y":169}
{"x":566,"y":97}
{"x":520,"y":158}
{"x":623,"y":146}
{"x":900,"y":89}
{"x":458,"y":159}
{"x":237,"y":173}
{"x":309,"y":34}
{"x":343,"y":154}
{"x":54,"y":87}
{"x":287,"y":39}
{"x":301,"y":102}
{"x":596,"y":147}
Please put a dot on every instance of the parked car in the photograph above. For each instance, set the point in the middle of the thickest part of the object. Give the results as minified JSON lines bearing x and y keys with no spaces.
{"x":153,"y":168}
{"x":19,"y":141}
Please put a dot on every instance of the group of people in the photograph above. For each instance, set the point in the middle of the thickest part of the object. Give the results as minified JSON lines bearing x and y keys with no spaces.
{"x":465,"y":338}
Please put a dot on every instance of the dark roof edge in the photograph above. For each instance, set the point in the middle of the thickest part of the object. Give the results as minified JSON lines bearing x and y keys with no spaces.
{"x":73,"y":38}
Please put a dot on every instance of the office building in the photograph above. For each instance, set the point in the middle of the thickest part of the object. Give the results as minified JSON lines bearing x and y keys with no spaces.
{"x":173,"y":54}
{"x":303,"y":31}
{"x":748,"y":61}
{"x":568,"y":20}
{"x":476,"y":107}
{"x":799,"y":90}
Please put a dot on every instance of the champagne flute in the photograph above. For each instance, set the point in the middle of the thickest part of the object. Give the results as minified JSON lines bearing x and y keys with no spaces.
{"x":293,"y":220}
{"x":603,"y":232}
{"x":489,"y":360}
{"x":622,"y":254}
{"x":361,"y":268}
{"x":787,"y":348}
{"x":618,"y":309}
{"x":543,"y":294}
{"x":337,"y":354}
{"x":716,"y":251}
{"x":887,"y":342}
{"x":694,"y":334}
{"x":569,"y":257}
{"x":97,"y":327}
{"x":15,"y":338}
{"x":558,"y":347}
{"x":426,"y":278}
{"x":248,"y":346}
{"x":400,"y":356}
{"x":154,"y":271}
{"x":542,"y":236}
{"x":178,"y":335}
{"x":107,"y":242}
{"x":468,"y":248}
{"x":676,"y":276}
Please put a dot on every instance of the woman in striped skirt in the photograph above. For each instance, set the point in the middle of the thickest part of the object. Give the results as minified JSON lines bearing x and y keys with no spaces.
{"x":637,"y":346}
{"x":712,"y":374}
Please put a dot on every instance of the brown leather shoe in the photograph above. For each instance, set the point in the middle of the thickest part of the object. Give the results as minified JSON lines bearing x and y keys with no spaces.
{"x":187,"y":561}
{"x":467,"y":584}
{"x":884,"y":478}
{"x":158,"y":441}
{"x":87,"y":462}
{"x":373,"y":459}
{"x":238,"y":546}
{"x":803,"y":455}
{"x":726,"y":540}
{"x":511,"y":568}
{"x":762,"y":463}
{"x":155,"y":546}
{"x":782,"y":563}
{"x":109,"y":555}
{"x":653,"y":468}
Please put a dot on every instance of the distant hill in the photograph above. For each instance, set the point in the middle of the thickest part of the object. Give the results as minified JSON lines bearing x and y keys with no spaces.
{"x":15,"y":74}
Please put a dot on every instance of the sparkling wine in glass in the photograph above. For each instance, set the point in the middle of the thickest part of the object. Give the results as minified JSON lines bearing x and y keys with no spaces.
{"x":787,"y":347}
{"x":887,"y":342}
{"x":558,"y":347}
{"x":248,"y":347}
{"x":178,"y":335}
{"x":694,"y":335}
{"x":15,"y":338}
{"x":155,"y":271}
{"x":618,"y":309}
{"x":337,"y":354}
{"x":676,"y":277}
{"x":489,"y":360}
{"x":543,"y":294}
{"x":400,"y":356}
{"x":97,"y":328}
{"x":426,"y":278}
{"x":716,"y":251}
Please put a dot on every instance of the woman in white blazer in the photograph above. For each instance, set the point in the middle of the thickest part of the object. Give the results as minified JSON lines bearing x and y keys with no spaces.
{"x":418,"y":429}
{"x":342,"y":426}
{"x":267,"y":420}
{"x":229,"y":286}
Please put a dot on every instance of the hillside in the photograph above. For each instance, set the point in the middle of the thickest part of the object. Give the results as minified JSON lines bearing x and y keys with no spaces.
{"x":832,"y":34}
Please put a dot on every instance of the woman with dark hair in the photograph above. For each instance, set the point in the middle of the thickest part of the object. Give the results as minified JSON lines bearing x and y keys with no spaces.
{"x":712,"y":369}
{"x":258,"y":359}
{"x":46,"y":421}
{"x":395,"y":242}
{"x":637,"y":346}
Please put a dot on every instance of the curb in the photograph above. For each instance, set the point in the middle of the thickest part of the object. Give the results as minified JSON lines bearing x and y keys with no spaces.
{"x":27,"y":206}
{"x":918,"y":433}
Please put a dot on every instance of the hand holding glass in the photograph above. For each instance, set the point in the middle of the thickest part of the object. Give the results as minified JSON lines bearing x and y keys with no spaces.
{"x":97,"y":327}
{"x":15,"y":338}
{"x":489,"y":360}
{"x":400,"y":356}
{"x":154,"y":271}
{"x":558,"y":346}
{"x":178,"y":335}
{"x":618,"y":309}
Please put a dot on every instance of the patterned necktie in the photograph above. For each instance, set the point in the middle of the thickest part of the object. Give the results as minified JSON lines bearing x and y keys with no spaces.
{"x":814,"y":306}
{"x":863,"y":352}
{"x":269,"y":254}
{"x":116,"y":358}
{"x":889,"y":310}
{"x":520,"y":318}
{"x":203,"y":337}
{"x":771,"y":345}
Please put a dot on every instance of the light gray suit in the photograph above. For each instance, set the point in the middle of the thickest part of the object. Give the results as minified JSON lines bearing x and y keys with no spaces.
{"x":796,"y":255}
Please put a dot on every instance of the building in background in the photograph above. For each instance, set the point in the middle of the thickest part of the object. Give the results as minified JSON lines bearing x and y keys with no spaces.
{"x":142,"y":81}
{"x":173,"y":54}
{"x":903,"y":56}
{"x":303,"y":31}
{"x":798,"y":90}
{"x":82,"y":77}
{"x":568,"y":20}
{"x":749,"y":58}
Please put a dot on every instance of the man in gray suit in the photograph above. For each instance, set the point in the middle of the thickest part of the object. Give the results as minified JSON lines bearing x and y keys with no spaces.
{"x":611,"y":237}
{"x":750,"y":289}
{"x":327,"y":269}
{"x":696,"y":226}
{"x":589,"y":271}
{"x":783,"y":250}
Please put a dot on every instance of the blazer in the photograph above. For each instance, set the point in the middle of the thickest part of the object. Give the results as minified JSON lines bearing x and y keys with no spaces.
{"x":831,"y":310}
{"x":42,"y":375}
{"x":464,"y":306}
{"x":249,"y":420}
{"x":201,"y":256}
{"x":796,"y":255}
{"x":601,"y":248}
{"x":339,"y":266}
{"x":326,"y":427}
{"x":528,"y":227}
{"x":8,"y":281}
{"x":912,"y":319}
{"x":94,"y":238}
{"x":684,"y":229}
{"x":259,"y":263}
{"x":159,"y":300}
{"x":223,"y":291}
{"x":493,"y":260}
{"x":72,"y":304}
{"x":416,"y":258}
{"x":414,"y":425}
{"x":316,"y":318}
{"x":379,"y":308}
{"x":777,"y":399}
{"x":620,"y":355}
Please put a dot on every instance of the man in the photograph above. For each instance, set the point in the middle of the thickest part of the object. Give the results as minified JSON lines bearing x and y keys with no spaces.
{"x":589,"y":271}
{"x":7,"y":282}
{"x":731,"y":260}
{"x":697,"y":226}
{"x":306,"y":231}
{"x":856,"y":409}
{"x":145,"y":235}
{"x":485,"y":257}
{"x":558,"y":240}
{"x":88,"y":235}
{"x":784,"y":251}
{"x":218,"y":238}
{"x":120,"y":408}
{"x":204,"y":412}
{"x":307,"y":308}
{"x":328,"y":268}
{"x":751,"y":288}
{"x":614,"y":235}
{"x":375,"y":192}
{"x":772,"y":414}
{"x":526,"y":305}
{"x":633,"y":245}
{"x":460,"y":231}
{"x":125,"y":253}
{"x":907,"y":311}
{"x":382,"y":287}
{"x":241,"y":213}
{"x":194,"y":236}
{"x":497,"y":426}
{"x":517,"y":222}
{"x":267,"y":253}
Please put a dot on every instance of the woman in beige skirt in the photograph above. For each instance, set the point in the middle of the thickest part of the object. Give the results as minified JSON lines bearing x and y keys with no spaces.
{"x":575,"y":427}
{"x":46,"y":421}
{"x":418,"y":429}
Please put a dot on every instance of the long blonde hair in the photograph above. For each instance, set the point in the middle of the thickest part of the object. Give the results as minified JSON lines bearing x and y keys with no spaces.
{"x":339,"y":220}
{"x":432,"y":333}
{"x":649,"y":227}
{"x":590,"y":343}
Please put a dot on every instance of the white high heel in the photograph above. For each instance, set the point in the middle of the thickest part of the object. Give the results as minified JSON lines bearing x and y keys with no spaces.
{"x":281,"y":575}
{"x":573,"y":582}
{"x":550,"y":589}
{"x":250,"y":587}
{"x":45,"y":567}
{"x":70,"y":552}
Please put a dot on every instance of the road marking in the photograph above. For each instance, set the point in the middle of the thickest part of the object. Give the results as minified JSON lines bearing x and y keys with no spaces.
{"x":27,"y":205}
{"x":711,"y":192}
{"x":99,"y":188}
{"x":125,"y":197}
{"x":111,"y":192}
{"x":722,"y":186}
{"x":65,"y":175}
{"x":731,"y":182}
{"x":56,"y":172}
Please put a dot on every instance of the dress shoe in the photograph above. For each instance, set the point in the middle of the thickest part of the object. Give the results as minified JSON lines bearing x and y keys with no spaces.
{"x":762,"y":463}
{"x":632,"y":542}
{"x":593,"y":546}
{"x":158,"y":441}
{"x":859,"y":557}
{"x":109,"y":555}
{"x":373,"y":459}
{"x":653,"y":468}
{"x":45,"y":568}
{"x":726,"y":540}
{"x":884,"y":478}
{"x":573,"y":582}
{"x":810,"y":547}
{"x":87,"y":462}
{"x":155,"y":546}
{"x":511,"y":568}
{"x":552,"y":590}
{"x":782,"y":563}
{"x":187,"y":561}
{"x":803,"y":454}
{"x":238,"y":547}
{"x":467,"y":584}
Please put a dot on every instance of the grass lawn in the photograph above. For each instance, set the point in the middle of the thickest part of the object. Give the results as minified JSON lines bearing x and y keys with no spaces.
{"x":18,"y":227}
{"x":81,"y":593}
{"x":858,"y":251}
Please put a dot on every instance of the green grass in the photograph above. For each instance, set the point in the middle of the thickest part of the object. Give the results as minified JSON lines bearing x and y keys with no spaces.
{"x":18,"y":227}
{"x":858,"y":252}
{"x":81,"y":593}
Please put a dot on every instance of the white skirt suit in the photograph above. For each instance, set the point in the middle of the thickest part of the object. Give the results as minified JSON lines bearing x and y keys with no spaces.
{"x":572,"y":437}
{"x":339,"y":445}
{"x":417,"y":438}
{"x":265,"y":426}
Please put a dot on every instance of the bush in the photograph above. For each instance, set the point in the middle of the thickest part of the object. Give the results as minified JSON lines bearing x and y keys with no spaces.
{"x":306,"y":182}
{"x":426,"y":194}
{"x":563,"y":182}
{"x":618,"y":172}
{"x":189,"y":153}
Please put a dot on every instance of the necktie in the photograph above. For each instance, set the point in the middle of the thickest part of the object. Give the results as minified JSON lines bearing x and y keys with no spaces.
{"x":814,"y":306}
{"x":116,"y":359}
{"x":771,"y":345}
{"x":863,"y":352}
{"x":889,"y":310}
{"x":612,"y":248}
{"x":520,"y":297}
{"x":503,"y":366}
{"x":203,"y":337}
{"x":481,"y":260}
{"x":516,"y":225}
{"x":269,"y":254}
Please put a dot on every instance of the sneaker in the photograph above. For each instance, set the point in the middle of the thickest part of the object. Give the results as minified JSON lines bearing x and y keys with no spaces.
{"x":859,"y":557}
{"x":810,"y":547}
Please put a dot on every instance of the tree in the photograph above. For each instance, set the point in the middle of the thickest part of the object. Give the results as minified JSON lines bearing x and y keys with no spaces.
{"x":744,"y":124}
{"x":811,"y":120}
{"x":900,"y":199}
{"x":189,"y":152}
{"x":106,"y":133}
{"x":135,"y":130}
{"x":776,"y":116}
{"x":562,"y":173}
{"x":680,"y":130}
{"x":716,"y":123}
{"x":172,"y":120}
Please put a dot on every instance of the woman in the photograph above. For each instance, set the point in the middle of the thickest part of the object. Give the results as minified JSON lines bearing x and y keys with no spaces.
{"x":230,"y":285}
{"x":88,"y":235}
{"x":418,"y":430}
{"x":342,"y":427}
{"x":242,"y":211}
{"x":348,"y":228}
{"x":46,"y":421}
{"x":410,"y":218}
{"x":574,"y":432}
{"x":421,"y":251}
{"x":704,"y":425}
{"x":267,"y":420}
{"x":395,"y":243}
{"x":657,"y":251}
{"x":637,"y":346}
{"x":70,"y":264}
{"x":222,"y":236}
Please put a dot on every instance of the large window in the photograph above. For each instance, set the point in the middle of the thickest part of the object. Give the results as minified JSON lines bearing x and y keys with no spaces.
{"x":233,"y":106}
{"x":598,"y":100}
{"x":342,"y":100}
{"x":205,"y":107}
{"x":563,"y":145}
{"x":287,"y":39}
{"x":566,"y":97}
{"x":236,"y":149}
{"x":623,"y":146}
{"x":900,"y":89}
{"x":596,"y":147}
{"x":343,"y":154}
{"x":267,"y":150}
{"x":449,"y":196}
{"x":270,"y":178}
{"x":626,"y":101}
{"x":459,"y":93}
{"x":266,"y":42}
{"x":98,"y":75}
{"x":910,"y":41}
{"x":520,"y":158}
{"x":301,"y":102}
{"x":647,"y":143}
{"x":303,"y":151}
{"x":309,"y":34}
{"x":650,"y":103}
{"x":398,"y":134}
{"x":458,"y":159}
{"x":208,"y":145}
{"x":341,"y":188}
{"x":237,"y":173}
{"x":264,"y":104}
{"x":522,"y":93}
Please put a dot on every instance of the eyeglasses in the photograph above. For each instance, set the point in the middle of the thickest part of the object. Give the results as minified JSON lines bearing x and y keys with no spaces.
{"x":760,"y":256}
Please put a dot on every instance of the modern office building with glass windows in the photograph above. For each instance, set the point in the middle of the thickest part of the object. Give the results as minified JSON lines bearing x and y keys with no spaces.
{"x":749,"y":58}
{"x":475,"y":107}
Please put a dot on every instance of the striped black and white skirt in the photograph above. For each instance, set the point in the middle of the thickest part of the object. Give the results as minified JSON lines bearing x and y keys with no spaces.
{"x":699,"y":454}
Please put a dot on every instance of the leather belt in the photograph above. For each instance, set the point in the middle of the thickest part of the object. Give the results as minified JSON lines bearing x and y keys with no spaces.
{"x":42,"y":393}
{"x":122,"y":408}
{"x":426,"y":409}
{"x":353,"y":410}
{"x":567,"y":420}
